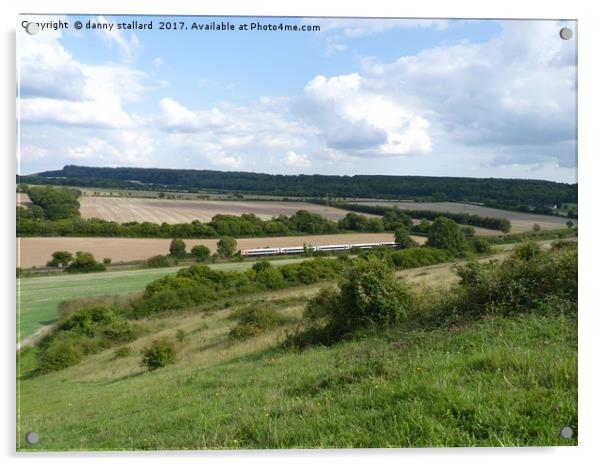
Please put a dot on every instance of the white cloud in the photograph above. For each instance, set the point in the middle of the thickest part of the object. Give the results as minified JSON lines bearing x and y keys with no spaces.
{"x":177,"y":117}
{"x":57,"y":89}
{"x":230,"y":135}
{"x":515,"y":91}
{"x":131,"y":147}
{"x":351,"y":118}
{"x":157,"y":61}
{"x":332,"y":48}
{"x":127,"y":47}
{"x":297,"y":160}
{"x":32,"y":151}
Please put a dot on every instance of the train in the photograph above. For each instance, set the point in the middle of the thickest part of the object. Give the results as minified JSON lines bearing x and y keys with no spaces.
{"x":291,"y":250}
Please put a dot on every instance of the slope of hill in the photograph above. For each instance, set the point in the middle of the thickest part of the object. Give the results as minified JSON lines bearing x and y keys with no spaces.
{"x":501,"y":191}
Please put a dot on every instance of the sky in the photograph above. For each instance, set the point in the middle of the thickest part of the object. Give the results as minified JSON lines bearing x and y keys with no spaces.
{"x":360,"y":96}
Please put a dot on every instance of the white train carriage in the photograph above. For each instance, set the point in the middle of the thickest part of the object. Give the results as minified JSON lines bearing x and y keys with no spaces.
{"x":295,"y":249}
{"x":390,"y":244}
{"x":334,"y":247}
{"x":260,"y":252}
{"x":365,"y":245}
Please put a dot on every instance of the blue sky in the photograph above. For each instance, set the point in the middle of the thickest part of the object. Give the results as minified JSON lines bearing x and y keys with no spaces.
{"x":406,"y":97}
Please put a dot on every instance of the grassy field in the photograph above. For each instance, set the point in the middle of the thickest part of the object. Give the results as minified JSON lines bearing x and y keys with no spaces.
{"x":37,"y":251}
{"x":485,"y":383}
{"x":38,"y":298}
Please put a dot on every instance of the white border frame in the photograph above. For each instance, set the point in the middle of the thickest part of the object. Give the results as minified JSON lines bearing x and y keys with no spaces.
{"x":589,"y":193}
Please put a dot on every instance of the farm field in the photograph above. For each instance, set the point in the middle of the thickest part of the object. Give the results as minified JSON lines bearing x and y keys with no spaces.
{"x":521,"y":221}
{"x":120,"y":209}
{"x":23,"y":200}
{"x":405,"y":389}
{"x":38,"y":298}
{"x":37,"y":251}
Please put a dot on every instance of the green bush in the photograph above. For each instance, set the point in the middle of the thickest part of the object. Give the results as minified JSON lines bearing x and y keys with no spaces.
{"x":177,"y":249}
{"x":418,"y":257}
{"x":59,"y":355}
{"x":159,"y":354}
{"x":255,"y":319}
{"x":106,"y":261}
{"x":200,"y":253}
{"x":84,"y":262}
{"x":180,"y":335}
{"x":271,"y":278}
{"x":60,"y":258}
{"x":226,"y":246}
{"x":446,"y":234}
{"x":403,"y":239}
{"x":261,"y":266}
{"x":481,"y":245}
{"x":370,"y":294}
{"x":528,"y":280}
{"x":157,"y":262}
{"x":83,"y":331}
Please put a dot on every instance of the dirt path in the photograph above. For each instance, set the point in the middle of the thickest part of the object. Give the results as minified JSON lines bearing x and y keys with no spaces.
{"x":32,"y":340}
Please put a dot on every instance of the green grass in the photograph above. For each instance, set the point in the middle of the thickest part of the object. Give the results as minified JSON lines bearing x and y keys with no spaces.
{"x":38,"y":298}
{"x":490,"y":383}
{"x":494,"y":381}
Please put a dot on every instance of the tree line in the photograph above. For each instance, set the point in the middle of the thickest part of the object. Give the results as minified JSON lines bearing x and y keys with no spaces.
{"x":493,"y":223}
{"x":509,"y":192}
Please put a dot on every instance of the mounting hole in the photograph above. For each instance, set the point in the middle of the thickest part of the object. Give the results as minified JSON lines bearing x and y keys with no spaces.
{"x":32,"y":437}
{"x":32,"y":28}
{"x":566,"y":33}
{"x":566,"y":432}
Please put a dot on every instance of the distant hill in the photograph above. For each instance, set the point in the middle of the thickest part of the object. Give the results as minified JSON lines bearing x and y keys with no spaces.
{"x":511,"y":192}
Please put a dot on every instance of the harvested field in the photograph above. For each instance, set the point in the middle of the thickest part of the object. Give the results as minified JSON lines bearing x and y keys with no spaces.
{"x":37,"y":251}
{"x":23,"y":200}
{"x":122,"y":210}
{"x":521,"y":221}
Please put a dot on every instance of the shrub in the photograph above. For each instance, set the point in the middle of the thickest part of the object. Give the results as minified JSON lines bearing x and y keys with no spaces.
{"x":19,"y":272}
{"x":159,"y":354}
{"x":446,"y":234}
{"x":481,"y":246}
{"x":177,"y":248}
{"x":403,"y":239}
{"x":84,"y":262}
{"x":226,"y":246}
{"x":261,"y":266}
{"x":370,"y":294}
{"x":200,"y":253}
{"x":271,"y":278}
{"x":157,"y":261}
{"x":180,"y":335}
{"x":60,"y":258}
{"x":468,"y":231}
{"x":106,"y":261}
{"x":60,"y":354}
{"x":418,"y":257}
{"x":255,"y":319}
{"x":99,"y":321}
{"x":528,"y":280}
{"x":527,"y":251}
